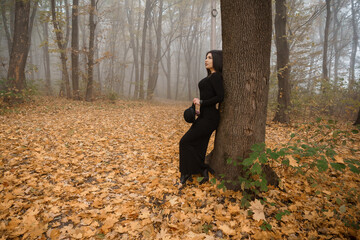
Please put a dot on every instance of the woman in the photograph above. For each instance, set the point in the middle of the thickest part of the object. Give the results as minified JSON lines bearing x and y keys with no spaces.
{"x":194,"y":143}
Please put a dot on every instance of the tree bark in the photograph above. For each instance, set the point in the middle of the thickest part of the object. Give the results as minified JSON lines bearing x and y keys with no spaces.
{"x":282,"y":63}
{"x":62,"y":47}
{"x":246,"y":72}
{"x":20,"y":47}
{"x":75,"y":50}
{"x":92,"y":25}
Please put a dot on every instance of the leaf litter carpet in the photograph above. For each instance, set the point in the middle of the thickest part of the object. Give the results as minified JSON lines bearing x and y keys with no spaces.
{"x":75,"y":170}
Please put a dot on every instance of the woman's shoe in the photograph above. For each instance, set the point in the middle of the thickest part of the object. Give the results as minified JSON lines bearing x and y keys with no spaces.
{"x":184,"y":178}
{"x":205,"y":174}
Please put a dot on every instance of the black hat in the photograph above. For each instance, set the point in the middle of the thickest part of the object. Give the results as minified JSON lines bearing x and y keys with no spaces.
{"x":189,"y":115}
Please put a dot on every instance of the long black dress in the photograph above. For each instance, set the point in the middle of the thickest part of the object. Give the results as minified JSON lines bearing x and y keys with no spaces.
{"x":194,"y":143}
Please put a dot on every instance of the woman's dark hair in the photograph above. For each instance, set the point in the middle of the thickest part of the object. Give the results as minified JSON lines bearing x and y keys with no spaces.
{"x":217,"y":60}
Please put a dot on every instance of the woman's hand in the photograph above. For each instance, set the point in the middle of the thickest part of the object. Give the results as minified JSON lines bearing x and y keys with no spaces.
{"x":196,"y":101}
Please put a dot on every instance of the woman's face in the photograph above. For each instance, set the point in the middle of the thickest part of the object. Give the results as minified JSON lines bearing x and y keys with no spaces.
{"x":209,"y":63}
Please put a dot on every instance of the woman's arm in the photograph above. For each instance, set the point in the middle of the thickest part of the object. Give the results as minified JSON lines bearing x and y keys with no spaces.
{"x":216,"y":82}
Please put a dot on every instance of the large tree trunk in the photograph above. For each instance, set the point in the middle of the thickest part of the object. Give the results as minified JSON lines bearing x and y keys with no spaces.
{"x":354,"y":46}
{"x":20,"y":47}
{"x":282,"y":63}
{"x":89,"y":87}
{"x":62,"y":48}
{"x":246,"y":72}
{"x":75,"y":50}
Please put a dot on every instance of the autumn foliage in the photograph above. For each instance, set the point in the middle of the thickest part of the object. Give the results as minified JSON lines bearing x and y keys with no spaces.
{"x":106,"y":170}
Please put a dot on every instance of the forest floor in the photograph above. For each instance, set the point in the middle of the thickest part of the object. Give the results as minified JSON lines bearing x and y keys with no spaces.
{"x":101,"y":170}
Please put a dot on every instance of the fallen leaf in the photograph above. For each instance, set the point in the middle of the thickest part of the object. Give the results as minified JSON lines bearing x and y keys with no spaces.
{"x":258,"y":210}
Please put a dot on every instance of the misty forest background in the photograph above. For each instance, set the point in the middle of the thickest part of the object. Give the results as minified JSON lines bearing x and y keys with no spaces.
{"x":156,"y":49}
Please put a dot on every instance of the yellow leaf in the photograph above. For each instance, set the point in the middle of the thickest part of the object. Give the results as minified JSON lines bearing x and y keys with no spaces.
{"x":292,"y":161}
{"x":227,"y":230}
{"x":339,"y":159}
{"x":258,"y":210}
{"x":121,"y":229}
{"x":234,"y":209}
{"x":109,"y":223}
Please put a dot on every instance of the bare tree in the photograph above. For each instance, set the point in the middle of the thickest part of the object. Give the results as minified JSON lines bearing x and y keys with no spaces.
{"x":92,"y":25}
{"x":134,"y":46}
{"x":45,"y":27}
{"x":283,"y":66}
{"x":62,"y":47}
{"x":75,"y":50}
{"x":154,"y":70}
{"x":325,"y":74}
{"x":148,"y":8}
{"x":355,"y":40}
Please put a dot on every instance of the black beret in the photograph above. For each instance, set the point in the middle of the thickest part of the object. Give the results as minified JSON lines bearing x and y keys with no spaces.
{"x":189,"y":115}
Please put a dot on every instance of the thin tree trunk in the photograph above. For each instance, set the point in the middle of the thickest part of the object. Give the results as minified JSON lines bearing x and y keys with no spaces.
{"x":246,"y":83}
{"x":155,"y":70}
{"x":47,"y":59}
{"x":6,"y":28}
{"x":282,"y":65}
{"x":178,"y":65}
{"x":92,"y":25}
{"x":336,"y":40}
{"x":67,"y":31}
{"x":131,"y":80}
{"x":189,"y":52}
{"x":325,"y":74}
{"x":134,"y":48}
{"x":168,"y":74}
{"x":75,"y":50}
{"x":62,"y":48}
{"x":354,"y":47}
{"x":98,"y":65}
{"x":148,"y":9}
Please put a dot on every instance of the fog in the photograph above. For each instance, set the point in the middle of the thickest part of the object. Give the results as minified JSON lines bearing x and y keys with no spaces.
{"x":170,"y":58}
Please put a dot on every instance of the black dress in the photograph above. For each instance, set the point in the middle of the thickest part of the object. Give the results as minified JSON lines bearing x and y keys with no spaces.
{"x":194,"y":143}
